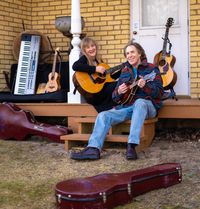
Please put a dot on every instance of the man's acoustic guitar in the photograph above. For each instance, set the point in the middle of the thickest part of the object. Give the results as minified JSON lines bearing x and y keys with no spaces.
{"x":165,"y":61}
{"x":129,"y":95}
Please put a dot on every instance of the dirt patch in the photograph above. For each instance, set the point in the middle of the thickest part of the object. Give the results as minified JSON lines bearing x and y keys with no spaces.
{"x":31,"y":169}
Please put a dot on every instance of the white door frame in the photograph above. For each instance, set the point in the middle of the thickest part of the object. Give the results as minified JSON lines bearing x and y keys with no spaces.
{"x":134,"y":5}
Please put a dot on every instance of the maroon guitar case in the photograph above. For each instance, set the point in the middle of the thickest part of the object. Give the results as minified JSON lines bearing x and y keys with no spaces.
{"x":106,"y":191}
{"x":16,"y":123}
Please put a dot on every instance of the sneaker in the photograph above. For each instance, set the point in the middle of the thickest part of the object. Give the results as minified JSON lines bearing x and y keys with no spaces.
{"x":89,"y":153}
{"x":131,"y":152}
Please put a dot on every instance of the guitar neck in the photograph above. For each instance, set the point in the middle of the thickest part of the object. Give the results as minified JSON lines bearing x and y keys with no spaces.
{"x":147,"y":77}
{"x":164,"y":50}
{"x":54,"y":64}
{"x":113,"y":69}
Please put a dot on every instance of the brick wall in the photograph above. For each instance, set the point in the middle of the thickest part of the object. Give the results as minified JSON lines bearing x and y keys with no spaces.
{"x":12,"y":13}
{"x":106,"y":21}
{"x":195,"y":48}
{"x":44,"y":13}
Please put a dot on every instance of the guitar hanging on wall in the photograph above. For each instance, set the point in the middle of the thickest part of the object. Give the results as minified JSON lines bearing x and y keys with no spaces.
{"x":53,"y":83}
{"x":165,"y":61}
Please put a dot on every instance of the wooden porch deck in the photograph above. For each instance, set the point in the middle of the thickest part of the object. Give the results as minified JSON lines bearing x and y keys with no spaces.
{"x":182,"y":108}
{"x":80,"y":116}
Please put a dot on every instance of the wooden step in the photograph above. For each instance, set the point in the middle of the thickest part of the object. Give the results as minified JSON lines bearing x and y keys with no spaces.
{"x":92,"y":120}
{"x":117,"y":133}
{"x":84,"y":122}
{"x":85,"y":137}
{"x":72,"y":138}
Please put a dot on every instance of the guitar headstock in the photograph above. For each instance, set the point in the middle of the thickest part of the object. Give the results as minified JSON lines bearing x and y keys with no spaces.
{"x":170,"y":22}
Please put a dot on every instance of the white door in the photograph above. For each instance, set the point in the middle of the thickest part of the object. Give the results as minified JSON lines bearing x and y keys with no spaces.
{"x":148,"y":27}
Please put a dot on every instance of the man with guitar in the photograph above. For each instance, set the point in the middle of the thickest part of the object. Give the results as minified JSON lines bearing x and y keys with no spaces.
{"x":87,"y":65}
{"x":138,"y":93}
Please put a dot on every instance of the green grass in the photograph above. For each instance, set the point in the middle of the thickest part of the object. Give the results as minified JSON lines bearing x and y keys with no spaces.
{"x":15,"y":193}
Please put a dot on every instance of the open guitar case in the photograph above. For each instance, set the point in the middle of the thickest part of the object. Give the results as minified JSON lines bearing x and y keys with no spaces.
{"x":42,"y":77}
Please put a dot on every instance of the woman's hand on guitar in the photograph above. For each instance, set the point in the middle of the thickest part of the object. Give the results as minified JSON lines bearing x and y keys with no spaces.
{"x":100,"y":69}
{"x":123,"y":88}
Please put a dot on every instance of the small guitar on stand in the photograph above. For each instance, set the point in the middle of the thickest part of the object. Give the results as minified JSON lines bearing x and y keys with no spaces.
{"x":165,"y":61}
{"x":53,"y":83}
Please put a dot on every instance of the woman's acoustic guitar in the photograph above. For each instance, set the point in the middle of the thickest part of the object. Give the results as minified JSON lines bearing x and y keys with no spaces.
{"x":165,"y":61}
{"x":87,"y":83}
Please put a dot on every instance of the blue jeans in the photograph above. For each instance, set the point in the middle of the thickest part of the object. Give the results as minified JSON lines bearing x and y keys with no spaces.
{"x":142,"y":109}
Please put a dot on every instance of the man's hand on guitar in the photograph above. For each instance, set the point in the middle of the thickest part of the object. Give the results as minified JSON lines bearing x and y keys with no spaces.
{"x":141,"y":82}
{"x":100,"y":69}
{"x":123,"y":88}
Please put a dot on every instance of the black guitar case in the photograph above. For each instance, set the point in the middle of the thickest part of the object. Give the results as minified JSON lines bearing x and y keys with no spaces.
{"x":42,"y":77}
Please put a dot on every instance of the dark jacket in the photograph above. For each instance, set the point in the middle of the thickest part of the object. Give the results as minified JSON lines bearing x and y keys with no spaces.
{"x":153,"y":90}
{"x":103,"y":99}
{"x":82,"y":65}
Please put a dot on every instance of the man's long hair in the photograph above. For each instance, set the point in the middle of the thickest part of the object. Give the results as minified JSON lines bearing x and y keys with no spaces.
{"x":138,"y":47}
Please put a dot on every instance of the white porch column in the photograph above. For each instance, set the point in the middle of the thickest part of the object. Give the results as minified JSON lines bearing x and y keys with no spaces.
{"x":75,"y":52}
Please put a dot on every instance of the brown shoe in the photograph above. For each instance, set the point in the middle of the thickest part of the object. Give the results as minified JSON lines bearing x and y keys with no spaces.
{"x":89,"y":153}
{"x":131,"y":152}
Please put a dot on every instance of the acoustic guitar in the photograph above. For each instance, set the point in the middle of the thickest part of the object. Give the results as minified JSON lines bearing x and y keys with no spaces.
{"x":94,"y":83}
{"x":128,"y":96}
{"x":53,"y":83}
{"x":41,"y":88}
{"x":165,"y":61}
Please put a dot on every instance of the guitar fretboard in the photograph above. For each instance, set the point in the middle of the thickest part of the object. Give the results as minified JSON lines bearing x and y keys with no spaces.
{"x":114,"y":69}
{"x":164,"y":51}
{"x":168,"y":25}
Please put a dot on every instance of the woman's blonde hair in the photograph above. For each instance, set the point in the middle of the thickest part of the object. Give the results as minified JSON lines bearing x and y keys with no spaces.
{"x":85,"y":43}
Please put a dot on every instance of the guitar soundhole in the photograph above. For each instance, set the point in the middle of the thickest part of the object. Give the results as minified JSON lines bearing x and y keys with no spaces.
{"x":102,"y":76}
{"x":99,"y":80}
{"x":162,"y":62}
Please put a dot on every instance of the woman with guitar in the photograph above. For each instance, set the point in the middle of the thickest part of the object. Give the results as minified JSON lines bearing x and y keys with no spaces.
{"x":90,"y":63}
{"x":138,"y":92}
